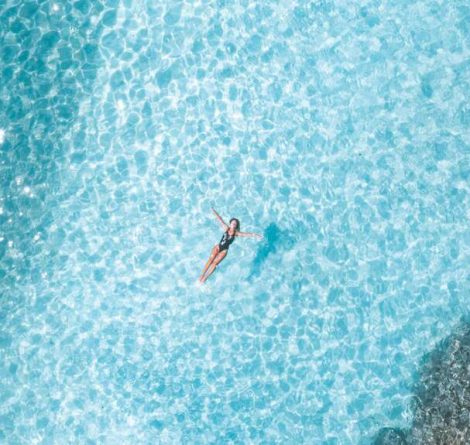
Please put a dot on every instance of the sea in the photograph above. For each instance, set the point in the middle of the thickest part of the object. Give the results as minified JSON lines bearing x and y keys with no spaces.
{"x":337,"y":129}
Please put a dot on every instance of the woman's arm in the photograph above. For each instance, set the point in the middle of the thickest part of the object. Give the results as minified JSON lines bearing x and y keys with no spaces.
{"x":248,"y":234}
{"x":225,"y":226}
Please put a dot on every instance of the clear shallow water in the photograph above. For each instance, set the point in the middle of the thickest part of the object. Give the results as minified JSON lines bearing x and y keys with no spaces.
{"x":338,"y":130}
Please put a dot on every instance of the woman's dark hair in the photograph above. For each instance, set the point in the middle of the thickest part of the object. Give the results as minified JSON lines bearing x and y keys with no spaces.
{"x":238,"y":223}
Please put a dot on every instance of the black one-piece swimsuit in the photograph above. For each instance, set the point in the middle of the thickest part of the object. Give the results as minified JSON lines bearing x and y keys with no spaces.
{"x":226,"y":241}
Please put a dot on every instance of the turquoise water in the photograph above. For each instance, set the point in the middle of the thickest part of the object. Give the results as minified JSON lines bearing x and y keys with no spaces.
{"x":339,"y":130}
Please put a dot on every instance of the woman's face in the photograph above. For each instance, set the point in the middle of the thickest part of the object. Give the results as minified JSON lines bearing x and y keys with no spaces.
{"x":233,"y":225}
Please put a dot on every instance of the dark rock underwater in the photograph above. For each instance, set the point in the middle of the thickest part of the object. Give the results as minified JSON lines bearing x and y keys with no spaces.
{"x":441,"y":411}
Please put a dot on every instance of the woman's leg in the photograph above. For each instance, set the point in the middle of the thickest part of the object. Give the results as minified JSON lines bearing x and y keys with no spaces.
{"x":214,"y":252}
{"x":220,"y":256}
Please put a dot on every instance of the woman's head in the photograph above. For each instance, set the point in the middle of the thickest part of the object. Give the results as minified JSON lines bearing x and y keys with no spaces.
{"x":235,"y":224}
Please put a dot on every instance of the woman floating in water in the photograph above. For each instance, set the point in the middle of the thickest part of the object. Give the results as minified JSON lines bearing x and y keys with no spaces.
{"x":219,"y":252}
